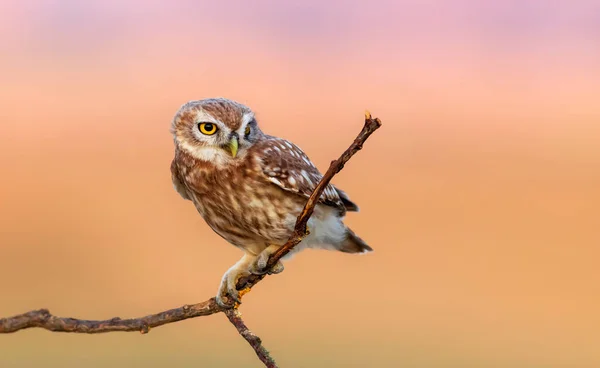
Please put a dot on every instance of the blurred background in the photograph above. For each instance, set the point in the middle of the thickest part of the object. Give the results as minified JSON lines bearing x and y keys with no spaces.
{"x":480,"y":194}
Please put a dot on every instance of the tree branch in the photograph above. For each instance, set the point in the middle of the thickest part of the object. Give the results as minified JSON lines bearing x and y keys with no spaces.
{"x":43,"y":319}
{"x":235,"y":317}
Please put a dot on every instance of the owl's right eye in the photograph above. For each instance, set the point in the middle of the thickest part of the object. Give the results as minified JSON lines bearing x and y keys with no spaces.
{"x":207,"y":128}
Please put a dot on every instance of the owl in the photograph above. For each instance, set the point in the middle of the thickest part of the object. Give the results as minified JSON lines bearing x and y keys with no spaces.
{"x":250,"y":187}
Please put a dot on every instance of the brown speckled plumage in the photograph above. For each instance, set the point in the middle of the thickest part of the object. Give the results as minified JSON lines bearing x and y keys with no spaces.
{"x":252,"y":196}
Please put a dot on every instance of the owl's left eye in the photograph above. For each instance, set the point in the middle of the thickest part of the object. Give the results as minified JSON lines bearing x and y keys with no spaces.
{"x":207,"y":128}
{"x":247,"y":131}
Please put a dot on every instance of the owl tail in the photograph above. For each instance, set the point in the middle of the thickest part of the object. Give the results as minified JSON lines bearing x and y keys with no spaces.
{"x":354,"y":244}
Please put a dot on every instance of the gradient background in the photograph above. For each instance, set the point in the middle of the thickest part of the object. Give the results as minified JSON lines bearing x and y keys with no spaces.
{"x":480,"y":194}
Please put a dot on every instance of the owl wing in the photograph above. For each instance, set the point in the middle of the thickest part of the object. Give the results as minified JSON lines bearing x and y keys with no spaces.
{"x":286,"y":165}
{"x":348,"y":204}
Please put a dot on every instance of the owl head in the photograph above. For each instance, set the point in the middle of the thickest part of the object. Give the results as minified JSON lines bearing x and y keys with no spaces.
{"x":216,"y":130}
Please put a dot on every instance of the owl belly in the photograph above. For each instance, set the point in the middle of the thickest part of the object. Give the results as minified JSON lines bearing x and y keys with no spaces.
{"x":248,"y":216}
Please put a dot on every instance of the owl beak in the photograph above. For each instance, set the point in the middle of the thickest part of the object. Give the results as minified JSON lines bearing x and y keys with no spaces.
{"x":233,"y":146}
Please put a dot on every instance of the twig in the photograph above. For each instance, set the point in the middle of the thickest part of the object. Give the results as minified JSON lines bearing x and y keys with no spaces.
{"x":235,"y":317}
{"x":43,"y":319}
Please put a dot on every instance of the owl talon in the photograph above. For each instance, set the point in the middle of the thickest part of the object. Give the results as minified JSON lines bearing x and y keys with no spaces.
{"x":259,"y":267}
{"x":277,"y":268}
{"x":227,"y":298}
{"x":228,"y":295}
{"x":257,"y":271}
{"x":223,"y":301}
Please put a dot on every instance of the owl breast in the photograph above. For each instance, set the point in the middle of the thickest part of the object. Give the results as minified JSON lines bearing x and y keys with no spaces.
{"x":241,"y":206}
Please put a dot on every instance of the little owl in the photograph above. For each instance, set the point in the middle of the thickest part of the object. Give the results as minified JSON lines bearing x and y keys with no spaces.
{"x":250,"y":187}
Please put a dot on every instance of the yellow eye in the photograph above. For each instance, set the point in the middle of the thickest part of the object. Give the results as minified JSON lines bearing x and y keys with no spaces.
{"x":207,"y":128}
{"x":247,"y":132}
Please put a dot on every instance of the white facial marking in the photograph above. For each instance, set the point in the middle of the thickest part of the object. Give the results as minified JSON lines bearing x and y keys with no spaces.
{"x":247,"y":118}
{"x":211,"y":154}
{"x":203,"y":116}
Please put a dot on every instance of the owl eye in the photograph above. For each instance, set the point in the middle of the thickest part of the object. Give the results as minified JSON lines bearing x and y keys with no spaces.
{"x":247,"y":131}
{"x":207,"y":128}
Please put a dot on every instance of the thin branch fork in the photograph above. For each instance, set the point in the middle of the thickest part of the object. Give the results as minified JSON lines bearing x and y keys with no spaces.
{"x":42,"y":318}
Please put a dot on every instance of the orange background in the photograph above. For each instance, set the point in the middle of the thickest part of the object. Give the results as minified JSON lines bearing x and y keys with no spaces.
{"x":480,"y":193}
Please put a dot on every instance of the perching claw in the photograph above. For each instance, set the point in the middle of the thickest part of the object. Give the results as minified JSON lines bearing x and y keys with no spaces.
{"x":259,"y":267}
{"x":228,"y":296}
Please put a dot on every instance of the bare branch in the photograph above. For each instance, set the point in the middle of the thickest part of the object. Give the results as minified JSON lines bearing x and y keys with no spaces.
{"x":235,"y":317}
{"x":43,"y":319}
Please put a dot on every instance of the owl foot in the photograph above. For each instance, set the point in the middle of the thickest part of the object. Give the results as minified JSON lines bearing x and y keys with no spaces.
{"x":228,"y":295}
{"x":259,"y":267}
